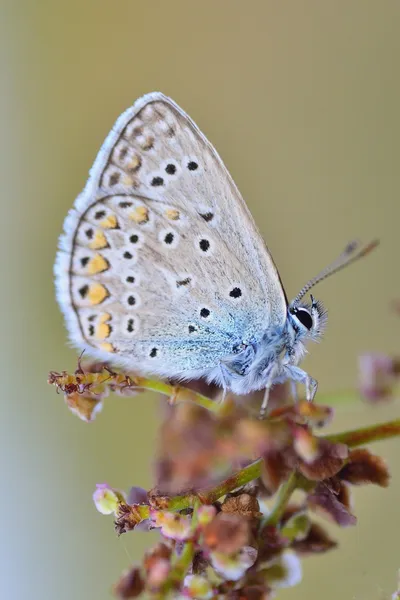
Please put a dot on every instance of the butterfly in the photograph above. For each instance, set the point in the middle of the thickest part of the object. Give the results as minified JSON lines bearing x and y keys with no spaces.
{"x":161,"y":269}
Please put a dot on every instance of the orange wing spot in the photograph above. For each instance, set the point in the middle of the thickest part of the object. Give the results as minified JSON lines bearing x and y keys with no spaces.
{"x":140,"y":214}
{"x":109,"y":222}
{"x":103,"y":331}
{"x":104,"y":317}
{"x":134,"y":164}
{"x":99,"y":241}
{"x":147,"y":143}
{"x":97,"y":293}
{"x":172,"y":213}
{"x":107,"y":347}
{"x":97,"y":264}
{"x":129,"y":181}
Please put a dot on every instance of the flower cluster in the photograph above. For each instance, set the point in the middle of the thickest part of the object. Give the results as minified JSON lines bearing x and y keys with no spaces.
{"x":235,"y":498}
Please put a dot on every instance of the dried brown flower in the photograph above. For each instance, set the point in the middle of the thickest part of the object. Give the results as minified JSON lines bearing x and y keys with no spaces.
{"x":378,"y":374}
{"x":126,"y":518}
{"x":270,"y":543}
{"x":160,"y":550}
{"x":364,"y":467}
{"x":243,"y":504}
{"x":316,"y":541}
{"x":325,"y":500}
{"x":227,"y":533}
{"x":330,"y":459}
{"x":131,"y":584}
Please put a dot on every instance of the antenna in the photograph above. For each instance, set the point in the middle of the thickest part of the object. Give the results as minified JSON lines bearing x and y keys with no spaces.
{"x":350,"y":254}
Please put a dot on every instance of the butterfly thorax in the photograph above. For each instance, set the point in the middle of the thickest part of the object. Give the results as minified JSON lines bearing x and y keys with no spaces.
{"x":272,"y":359}
{"x":261,"y":363}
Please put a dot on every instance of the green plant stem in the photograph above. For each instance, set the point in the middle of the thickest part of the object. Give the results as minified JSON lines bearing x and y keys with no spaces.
{"x":176,"y":393}
{"x":183,"y":394}
{"x":239,"y":479}
{"x":365,"y":435}
{"x":284,"y":494}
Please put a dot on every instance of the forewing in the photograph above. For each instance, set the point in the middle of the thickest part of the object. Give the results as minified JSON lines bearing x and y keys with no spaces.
{"x":161,"y":267}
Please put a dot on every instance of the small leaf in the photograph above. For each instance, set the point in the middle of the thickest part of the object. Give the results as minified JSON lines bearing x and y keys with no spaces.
{"x":297,"y":527}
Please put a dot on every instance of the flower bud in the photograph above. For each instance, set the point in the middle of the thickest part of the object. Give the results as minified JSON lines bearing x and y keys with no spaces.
{"x":107,"y":499}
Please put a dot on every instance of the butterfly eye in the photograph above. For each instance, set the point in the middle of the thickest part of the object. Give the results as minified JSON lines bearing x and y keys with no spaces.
{"x":304,"y":317}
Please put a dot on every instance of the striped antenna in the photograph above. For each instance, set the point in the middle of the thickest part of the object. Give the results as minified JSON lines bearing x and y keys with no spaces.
{"x":350,"y":254}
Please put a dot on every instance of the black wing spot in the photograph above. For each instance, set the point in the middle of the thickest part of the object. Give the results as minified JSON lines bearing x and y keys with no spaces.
{"x":128,"y":255}
{"x":100,"y":214}
{"x":170,"y":169}
{"x":123,"y":153}
{"x":83,"y":291}
{"x":130,"y":326}
{"x":204,"y":313}
{"x":208,"y":216}
{"x":169,"y":238}
{"x":157,"y":181}
{"x":130,"y":279}
{"x":153,"y":353}
{"x":204,"y":245}
{"x":235,"y":293}
{"x":114,"y":178}
{"x":134,"y":238}
{"x":125,"y":204}
{"x":192,"y":329}
{"x":183,"y":282}
{"x":84,"y":261}
{"x":192,"y":166}
{"x":91,"y":329}
{"x":131,"y":300}
{"x":171,"y":132}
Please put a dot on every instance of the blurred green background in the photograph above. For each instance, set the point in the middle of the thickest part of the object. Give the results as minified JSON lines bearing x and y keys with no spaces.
{"x":302,"y":101}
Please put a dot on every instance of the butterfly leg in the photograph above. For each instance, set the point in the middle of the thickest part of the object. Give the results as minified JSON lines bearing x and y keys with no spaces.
{"x":264,"y":404}
{"x":270,"y":381}
{"x":297,"y":375}
{"x":311,"y":388}
{"x":220,"y":399}
{"x":293,"y":389}
{"x":224,"y":373}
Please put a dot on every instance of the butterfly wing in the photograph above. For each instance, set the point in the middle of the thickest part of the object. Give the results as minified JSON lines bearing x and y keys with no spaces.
{"x":161,"y":268}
